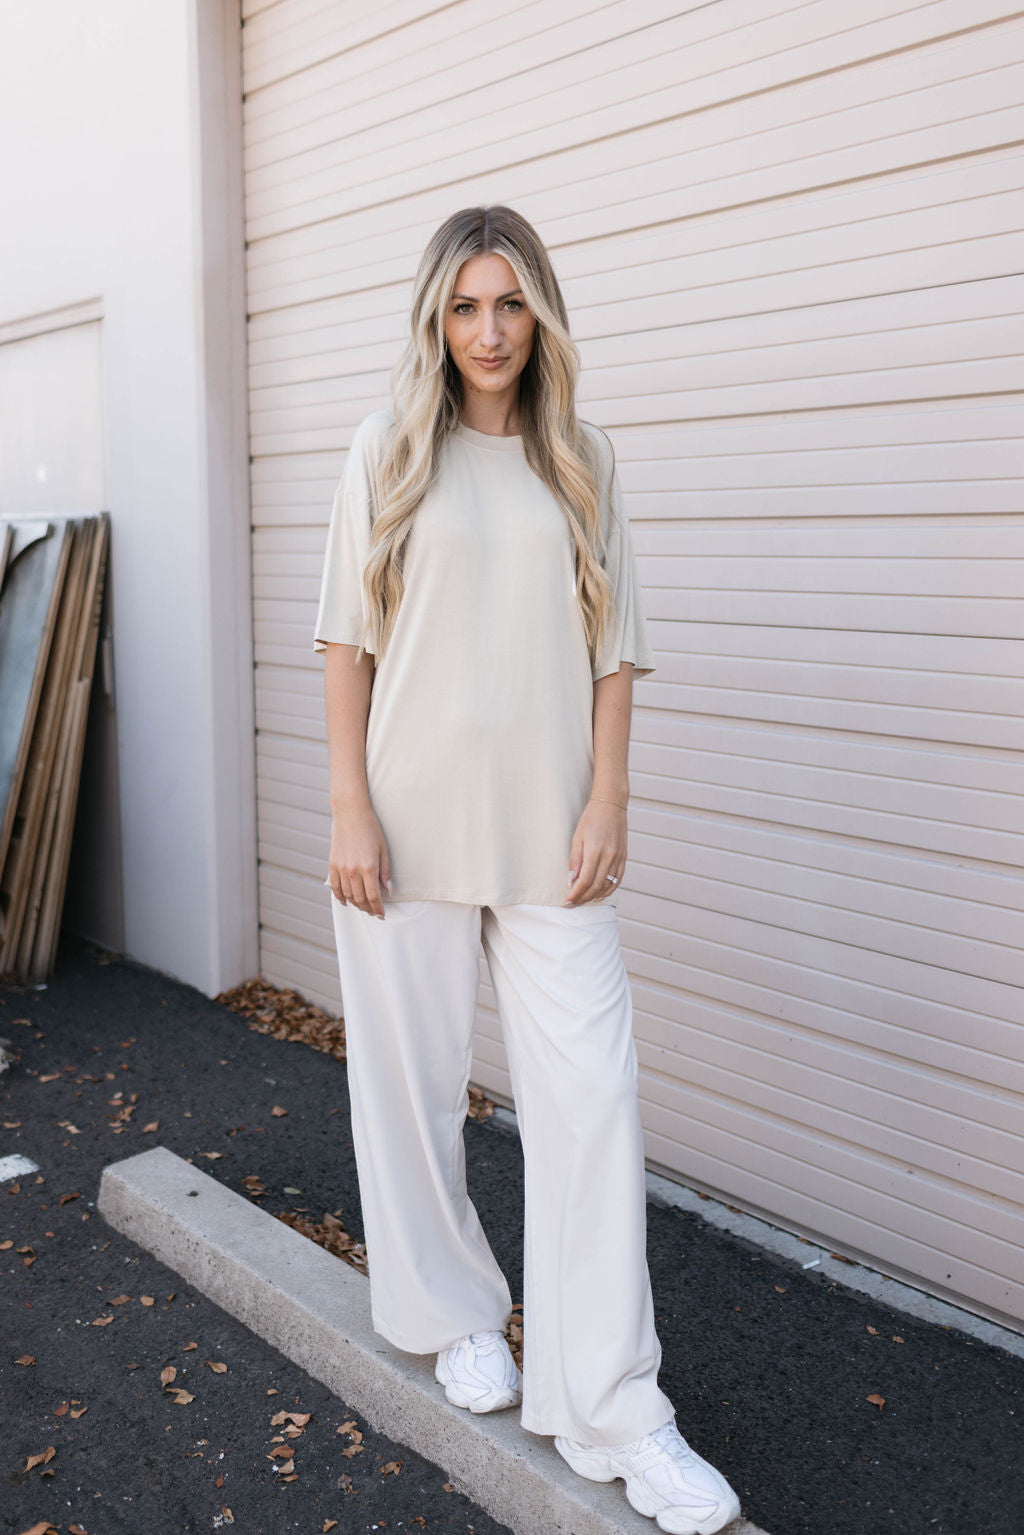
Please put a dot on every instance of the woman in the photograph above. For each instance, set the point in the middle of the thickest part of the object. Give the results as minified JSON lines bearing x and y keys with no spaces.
{"x":481,"y":617}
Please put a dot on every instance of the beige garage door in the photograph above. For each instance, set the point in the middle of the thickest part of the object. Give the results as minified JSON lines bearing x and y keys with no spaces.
{"x":788,"y":235}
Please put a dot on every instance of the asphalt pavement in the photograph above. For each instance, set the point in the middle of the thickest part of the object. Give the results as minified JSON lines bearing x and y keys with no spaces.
{"x":830,"y":1413}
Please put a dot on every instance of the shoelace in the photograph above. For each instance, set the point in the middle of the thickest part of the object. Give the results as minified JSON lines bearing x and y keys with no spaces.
{"x":668,"y":1438}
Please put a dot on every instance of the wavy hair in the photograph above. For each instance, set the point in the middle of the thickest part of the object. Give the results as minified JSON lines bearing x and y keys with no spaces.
{"x":426,"y":389}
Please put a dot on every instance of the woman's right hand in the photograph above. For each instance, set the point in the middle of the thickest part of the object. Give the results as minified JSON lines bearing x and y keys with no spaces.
{"x":359,"y":862}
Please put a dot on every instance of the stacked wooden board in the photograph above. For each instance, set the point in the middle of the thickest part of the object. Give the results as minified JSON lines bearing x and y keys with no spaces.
{"x":51,"y":590}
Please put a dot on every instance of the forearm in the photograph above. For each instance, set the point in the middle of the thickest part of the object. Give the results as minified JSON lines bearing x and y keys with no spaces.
{"x":613,"y":707}
{"x":347,"y":689}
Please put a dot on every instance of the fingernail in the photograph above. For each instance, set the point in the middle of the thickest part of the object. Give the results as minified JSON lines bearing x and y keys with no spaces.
{"x":388,"y":883}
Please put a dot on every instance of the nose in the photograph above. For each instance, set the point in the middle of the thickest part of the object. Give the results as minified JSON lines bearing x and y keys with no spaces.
{"x":490,"y":330}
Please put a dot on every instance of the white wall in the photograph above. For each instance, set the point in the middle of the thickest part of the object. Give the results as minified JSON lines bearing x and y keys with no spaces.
{"x":126,"y":124}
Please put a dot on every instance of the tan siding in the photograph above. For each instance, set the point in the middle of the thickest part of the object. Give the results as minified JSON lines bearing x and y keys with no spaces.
{"x":789,"y":237}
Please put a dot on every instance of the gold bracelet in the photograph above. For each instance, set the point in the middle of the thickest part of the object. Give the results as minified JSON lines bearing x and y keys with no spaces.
{"x":609,"y":801}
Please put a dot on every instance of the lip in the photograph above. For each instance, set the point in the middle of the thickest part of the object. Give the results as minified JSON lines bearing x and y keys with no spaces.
{"x":490,"y":362}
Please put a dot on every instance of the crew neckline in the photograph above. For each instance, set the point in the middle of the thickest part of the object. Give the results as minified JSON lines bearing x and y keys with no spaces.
{"x":487,"y":440}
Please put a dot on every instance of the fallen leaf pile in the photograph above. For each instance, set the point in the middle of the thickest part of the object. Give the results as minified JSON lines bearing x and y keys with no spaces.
{"x":329,"y":1233}
{"x":283,"y":1456}
{"x":283,"y":1014}
{"x":355,"y":1436}
{"x":125,"y":1109}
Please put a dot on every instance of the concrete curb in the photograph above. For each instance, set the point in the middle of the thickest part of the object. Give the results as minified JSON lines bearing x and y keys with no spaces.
{"x":315,"y":1309}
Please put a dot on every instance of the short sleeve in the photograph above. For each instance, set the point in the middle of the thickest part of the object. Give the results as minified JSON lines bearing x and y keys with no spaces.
{"x":626,"y":637}
{"x":341,"y":617}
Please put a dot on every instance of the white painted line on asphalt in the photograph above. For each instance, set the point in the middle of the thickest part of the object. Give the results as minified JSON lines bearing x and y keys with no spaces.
{"x":16,"y":1166}
{"x":315,"y":1309}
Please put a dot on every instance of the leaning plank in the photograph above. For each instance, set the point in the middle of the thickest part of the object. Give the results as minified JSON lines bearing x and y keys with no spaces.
{"x":38,"y":963}
{"x":23,"y":847}
{"x":28,"y":609}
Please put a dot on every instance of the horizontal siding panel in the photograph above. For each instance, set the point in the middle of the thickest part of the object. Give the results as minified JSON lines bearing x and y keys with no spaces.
{"x":699,"y":50}
{"x":795,"y":1073}
{"x":801,"y":908}
{"x":735,"y":964}
{"x":645,"y":129}
{"x":952,"y":1152}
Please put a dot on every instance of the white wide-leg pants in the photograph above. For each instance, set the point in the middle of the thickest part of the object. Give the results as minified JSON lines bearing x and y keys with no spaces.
{"x":409,"y":988}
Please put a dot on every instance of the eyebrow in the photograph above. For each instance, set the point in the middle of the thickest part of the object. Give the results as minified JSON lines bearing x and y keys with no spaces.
{"x":498,"y":300}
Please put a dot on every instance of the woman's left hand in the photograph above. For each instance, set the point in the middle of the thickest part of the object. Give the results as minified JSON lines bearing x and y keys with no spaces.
{"x":598,"y":849}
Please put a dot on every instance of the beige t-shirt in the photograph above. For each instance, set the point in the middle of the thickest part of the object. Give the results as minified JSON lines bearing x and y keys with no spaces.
{"x":480,"y":749}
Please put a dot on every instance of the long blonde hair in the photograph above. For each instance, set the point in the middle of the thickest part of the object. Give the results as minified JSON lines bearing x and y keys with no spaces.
{"x":426,"y":389}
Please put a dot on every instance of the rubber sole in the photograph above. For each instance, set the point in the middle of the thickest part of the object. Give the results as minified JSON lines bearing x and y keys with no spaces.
{"x":597,"y":1468}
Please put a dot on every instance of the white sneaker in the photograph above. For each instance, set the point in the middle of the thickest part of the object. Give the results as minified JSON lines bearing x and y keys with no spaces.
{"x":665,"y":1479}
{"x":478,"y":1372}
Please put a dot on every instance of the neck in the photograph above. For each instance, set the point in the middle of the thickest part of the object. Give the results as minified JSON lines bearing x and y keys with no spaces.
{"x":496,"y":416}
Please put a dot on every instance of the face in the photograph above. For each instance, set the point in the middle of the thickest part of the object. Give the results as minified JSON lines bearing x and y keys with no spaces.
{"x":488,"y":327}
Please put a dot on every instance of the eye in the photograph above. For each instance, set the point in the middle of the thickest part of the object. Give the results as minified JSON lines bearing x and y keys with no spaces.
{"x":515,"y":304}
{"x":463,"y":307}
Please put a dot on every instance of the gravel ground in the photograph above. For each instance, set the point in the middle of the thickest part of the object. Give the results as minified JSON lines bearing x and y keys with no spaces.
{"x":829,"y":1413}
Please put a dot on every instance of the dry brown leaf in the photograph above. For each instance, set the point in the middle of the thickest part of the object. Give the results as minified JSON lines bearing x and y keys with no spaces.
{"x":343,"y":1428}
{"x":327,"y":1526}
{"x":119,"y":1300}
{"x":181,"y":1396}
{"x":447,"y":1487}
{"x":216,"y":1366}
{"x":51,"y":1076}
{"x":278,"y":1111}
{"x":392,"y":1468}
{"x":101,"y":1321}
{"x":281,"y":1452}
{"x":879,"y":1401}
{"x":167,"y":1374}
{"x":44,"y":1527}
{"x":346,"y":1482}
{"x":781,"y":1289}
{"x":873,"y":1331}
{"x":66,"y":1124}
{"x":43,"y":1458}
{"x":353,"y":1449}
{"x":154,"y":1124}
{"x":212,"y":1156}
{"x":187,"y":1347}
{"x":896,"y":1338}
{"x":285,"y":1466}
{"x":7,"y":1244}
{"x":226,"y":1514}
{"x":77,"y":1529}
{"x":148,"y":1300}
{"x":299,"y":1418}
{"x":12,"y":1124}
{"x":58,"y":1412}
{"x":26,"y":1359}
{"x":76,"y":1412}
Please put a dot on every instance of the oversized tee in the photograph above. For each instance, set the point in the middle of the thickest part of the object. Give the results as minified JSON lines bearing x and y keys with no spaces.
{"x":479,"y":742}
